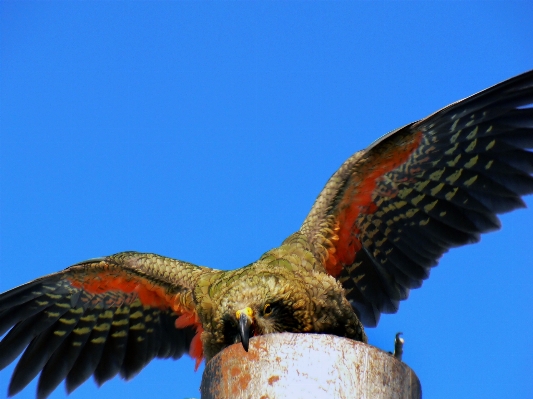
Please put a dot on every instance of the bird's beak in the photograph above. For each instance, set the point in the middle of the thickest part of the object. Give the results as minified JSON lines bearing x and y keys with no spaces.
{"x":245,"y":318}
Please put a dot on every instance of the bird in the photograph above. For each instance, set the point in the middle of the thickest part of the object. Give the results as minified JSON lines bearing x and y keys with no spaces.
{"x":378,"y":227}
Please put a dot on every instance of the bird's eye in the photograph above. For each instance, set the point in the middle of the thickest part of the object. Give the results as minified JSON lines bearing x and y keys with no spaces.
{"x":267,"y":310}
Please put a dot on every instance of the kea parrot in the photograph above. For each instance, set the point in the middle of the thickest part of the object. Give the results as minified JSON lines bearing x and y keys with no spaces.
{"x":380,"y":224}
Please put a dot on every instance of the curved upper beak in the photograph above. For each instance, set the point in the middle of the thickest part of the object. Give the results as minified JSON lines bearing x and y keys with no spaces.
{"x":245,"y":318}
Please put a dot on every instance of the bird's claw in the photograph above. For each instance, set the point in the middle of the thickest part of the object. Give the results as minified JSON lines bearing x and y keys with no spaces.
{"x":398,"y":346}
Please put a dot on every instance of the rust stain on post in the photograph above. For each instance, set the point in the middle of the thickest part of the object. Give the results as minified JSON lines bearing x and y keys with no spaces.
{"x":307,"y":366}
{"x":273,"y":379}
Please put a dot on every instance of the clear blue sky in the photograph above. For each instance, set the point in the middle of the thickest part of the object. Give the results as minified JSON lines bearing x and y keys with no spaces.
{"x":204,"y":132}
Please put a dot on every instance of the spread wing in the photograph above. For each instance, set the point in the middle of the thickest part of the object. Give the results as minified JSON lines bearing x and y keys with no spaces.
{"x":100,"y":317}
{"x":390,"y":212}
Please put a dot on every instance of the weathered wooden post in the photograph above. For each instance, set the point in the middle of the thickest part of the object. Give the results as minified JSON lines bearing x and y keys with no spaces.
{"x":307,"y":366}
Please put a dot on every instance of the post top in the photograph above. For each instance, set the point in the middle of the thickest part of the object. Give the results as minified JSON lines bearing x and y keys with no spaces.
{"x":287,"y":365}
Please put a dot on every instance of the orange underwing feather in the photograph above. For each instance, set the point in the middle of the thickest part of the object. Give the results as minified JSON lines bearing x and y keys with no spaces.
{"x":357,"y":199}
{"x":150,"y":295}
{"x":196,"y":350}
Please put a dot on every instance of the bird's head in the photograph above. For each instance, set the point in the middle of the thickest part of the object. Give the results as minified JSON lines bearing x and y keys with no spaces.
{"x":260,"y":303}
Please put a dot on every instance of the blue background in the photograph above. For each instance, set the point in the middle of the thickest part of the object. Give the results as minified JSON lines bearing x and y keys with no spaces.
{"x":204,"y":132}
